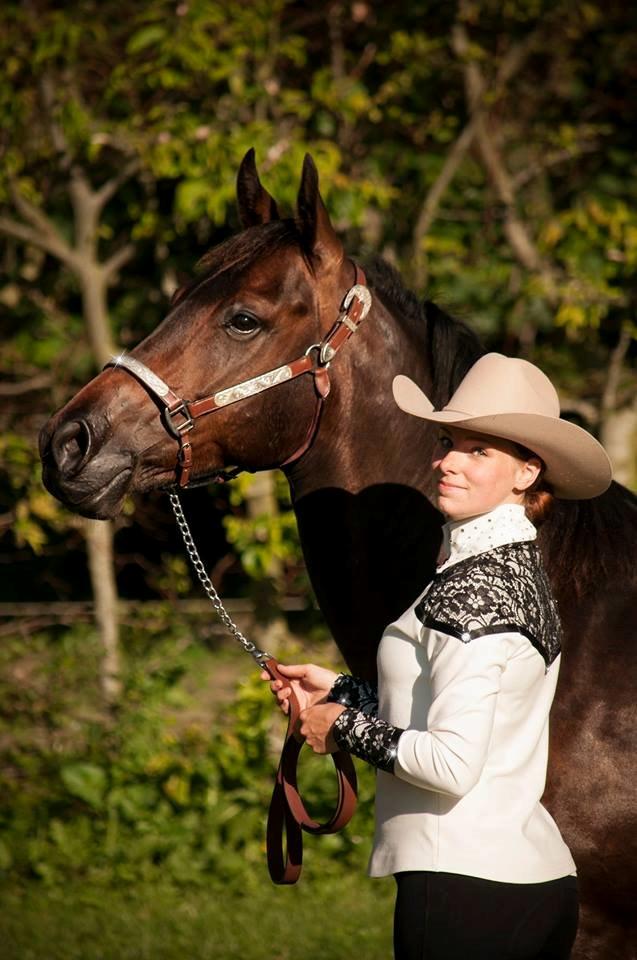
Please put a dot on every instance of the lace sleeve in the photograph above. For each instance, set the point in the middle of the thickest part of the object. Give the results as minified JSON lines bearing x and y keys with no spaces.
{"x":371,"y":739}
{"x":354,"y":692}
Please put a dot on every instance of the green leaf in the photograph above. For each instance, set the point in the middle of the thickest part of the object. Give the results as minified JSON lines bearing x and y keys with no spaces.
{"x":86,"y":781}
{"x":146,"y":37}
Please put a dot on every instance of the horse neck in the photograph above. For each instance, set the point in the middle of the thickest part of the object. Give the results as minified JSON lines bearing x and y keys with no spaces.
{"x":368,"y":531}
{"x":363,"y":437}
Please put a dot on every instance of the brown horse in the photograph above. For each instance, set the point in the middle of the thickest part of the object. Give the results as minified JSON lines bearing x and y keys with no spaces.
{"x":359,"y":472}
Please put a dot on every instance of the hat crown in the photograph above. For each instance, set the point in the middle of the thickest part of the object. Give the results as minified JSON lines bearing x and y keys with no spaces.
{"x":496,"y":384}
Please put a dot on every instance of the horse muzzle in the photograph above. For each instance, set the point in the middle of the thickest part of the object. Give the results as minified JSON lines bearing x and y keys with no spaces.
{"x":79,"y":469}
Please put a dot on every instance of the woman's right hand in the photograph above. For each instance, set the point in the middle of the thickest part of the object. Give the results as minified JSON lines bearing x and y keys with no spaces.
{"x":310,"y":683}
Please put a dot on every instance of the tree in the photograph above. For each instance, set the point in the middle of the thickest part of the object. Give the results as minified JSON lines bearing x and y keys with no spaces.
{"x":487,"y":148}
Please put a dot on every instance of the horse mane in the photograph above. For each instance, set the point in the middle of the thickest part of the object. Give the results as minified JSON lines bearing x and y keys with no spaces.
{"x":589,"y":542}
{"x":452,"y":347}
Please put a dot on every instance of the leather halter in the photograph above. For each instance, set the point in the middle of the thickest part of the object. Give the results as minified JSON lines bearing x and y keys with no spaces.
{"x":179,"y":415}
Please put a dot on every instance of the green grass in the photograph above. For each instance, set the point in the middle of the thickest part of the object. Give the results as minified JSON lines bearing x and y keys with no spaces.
{"x":314,"y":920}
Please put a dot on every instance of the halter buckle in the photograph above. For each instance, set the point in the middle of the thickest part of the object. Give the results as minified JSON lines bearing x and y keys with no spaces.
{"x":362,"y":295}
{"x":178,"y":429}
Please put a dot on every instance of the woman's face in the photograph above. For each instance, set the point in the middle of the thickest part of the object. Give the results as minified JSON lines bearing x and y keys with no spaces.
{"x":476,"y":473}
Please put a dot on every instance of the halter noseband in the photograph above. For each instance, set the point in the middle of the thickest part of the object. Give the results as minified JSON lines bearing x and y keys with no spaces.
{"x":179,"y":415}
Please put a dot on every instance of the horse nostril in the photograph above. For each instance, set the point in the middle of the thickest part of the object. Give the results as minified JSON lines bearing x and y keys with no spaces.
{"x":71,"y":446}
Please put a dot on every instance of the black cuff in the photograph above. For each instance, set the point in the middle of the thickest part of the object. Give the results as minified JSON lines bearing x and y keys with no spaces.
{"x":354,"y":692}
{"x":371,"y":739}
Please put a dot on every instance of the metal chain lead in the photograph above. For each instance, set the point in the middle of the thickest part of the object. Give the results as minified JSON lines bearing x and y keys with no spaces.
{"x":259,"y":655}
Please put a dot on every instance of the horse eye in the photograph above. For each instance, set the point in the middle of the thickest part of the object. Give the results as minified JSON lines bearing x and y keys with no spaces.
{"x":243,"y":323}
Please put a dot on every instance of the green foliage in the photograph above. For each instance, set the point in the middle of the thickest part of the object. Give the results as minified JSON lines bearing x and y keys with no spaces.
{"x":152,"y":789}
{"x":596,"y":241}
{"x":85,"y":781}
{"x":268,"y":542}
{"x":35,"y":513}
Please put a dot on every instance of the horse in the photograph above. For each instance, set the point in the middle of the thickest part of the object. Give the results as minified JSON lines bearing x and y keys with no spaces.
{"x":361,"y":485}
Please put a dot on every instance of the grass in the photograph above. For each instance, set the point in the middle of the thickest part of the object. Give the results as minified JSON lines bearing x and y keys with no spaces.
{"x":311,"y":921}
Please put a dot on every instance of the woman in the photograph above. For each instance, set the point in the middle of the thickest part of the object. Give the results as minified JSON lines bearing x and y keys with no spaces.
{"x":458,"y":729}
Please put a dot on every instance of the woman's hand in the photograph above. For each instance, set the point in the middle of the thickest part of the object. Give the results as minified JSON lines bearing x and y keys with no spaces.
{"x":310,"y":683}
{"x":316,"y":725}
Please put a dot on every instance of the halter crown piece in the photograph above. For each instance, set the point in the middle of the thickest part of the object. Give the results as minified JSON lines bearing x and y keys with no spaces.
{"x":179,"y":415}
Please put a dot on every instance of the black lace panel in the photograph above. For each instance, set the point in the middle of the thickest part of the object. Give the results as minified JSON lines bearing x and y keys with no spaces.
{"x":354,"y":692}
{"x":502,"y":590}
{"x":371,"y":739}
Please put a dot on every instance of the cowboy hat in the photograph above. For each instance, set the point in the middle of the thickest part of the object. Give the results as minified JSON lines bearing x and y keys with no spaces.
{"x":513,"y":400}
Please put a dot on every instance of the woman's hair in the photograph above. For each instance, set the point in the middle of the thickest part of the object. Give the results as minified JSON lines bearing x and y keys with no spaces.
{"x":538,"y":499}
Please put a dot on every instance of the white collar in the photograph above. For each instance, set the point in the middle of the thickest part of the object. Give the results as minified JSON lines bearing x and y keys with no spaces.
{"x":507,"y":523}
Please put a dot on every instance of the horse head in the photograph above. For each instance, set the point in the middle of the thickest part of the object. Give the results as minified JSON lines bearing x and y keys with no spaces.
{"x":261,"y":299}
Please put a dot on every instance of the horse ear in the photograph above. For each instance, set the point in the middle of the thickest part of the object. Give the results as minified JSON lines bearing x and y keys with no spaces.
{"x":318,"y":236}
{"x":255,"y":203}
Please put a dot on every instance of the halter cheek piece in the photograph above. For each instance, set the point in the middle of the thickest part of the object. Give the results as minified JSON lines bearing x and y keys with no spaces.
{"x":179,"y":415}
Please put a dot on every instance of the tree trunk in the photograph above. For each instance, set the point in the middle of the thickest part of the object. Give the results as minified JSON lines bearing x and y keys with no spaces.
{"x":619,"y":436}
{"x":100,"y":533}
{"x":95,"y":310}
{"x":270,"y":626}
{"x":99,"y":544}
{"x":94,"y":276}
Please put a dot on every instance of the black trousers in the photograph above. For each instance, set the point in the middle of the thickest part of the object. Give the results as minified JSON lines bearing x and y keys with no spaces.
{"x":446,"y":916}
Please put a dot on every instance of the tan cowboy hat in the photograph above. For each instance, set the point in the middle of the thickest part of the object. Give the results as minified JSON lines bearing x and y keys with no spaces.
{"x":514,"y":400}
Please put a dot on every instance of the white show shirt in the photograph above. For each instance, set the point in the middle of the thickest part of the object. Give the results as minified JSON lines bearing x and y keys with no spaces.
{"x":471,"y":763}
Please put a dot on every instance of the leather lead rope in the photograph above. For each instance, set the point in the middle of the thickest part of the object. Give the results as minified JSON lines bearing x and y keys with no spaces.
{"x":288,"y":816}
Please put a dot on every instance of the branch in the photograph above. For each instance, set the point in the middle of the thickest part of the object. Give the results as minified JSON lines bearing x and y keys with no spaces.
{"x":516,"y":231}
{"x":20,"y":231}
{"x":517,"y":53}
{"x":516,"y":56}
{"x":38,"y":382}
{"x":335,"y":33}
{"x":85,"y":212}
{"x":110,"y":188}
{"x":512,"y":62}
{"x":584,"y":408}
{"x":57,"y":134}
{"x":552,"y":159}
{"x":609,"y":397}
{"x":117,"y":260}
{"x":46,"y":239}
{"x":434,"y":196}
{"x":366,"y":58}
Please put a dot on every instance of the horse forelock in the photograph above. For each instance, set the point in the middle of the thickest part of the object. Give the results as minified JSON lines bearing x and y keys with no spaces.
{"x":242,"y":251}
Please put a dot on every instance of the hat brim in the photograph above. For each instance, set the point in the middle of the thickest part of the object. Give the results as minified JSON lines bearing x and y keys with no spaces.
{"x":577,"y":466}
